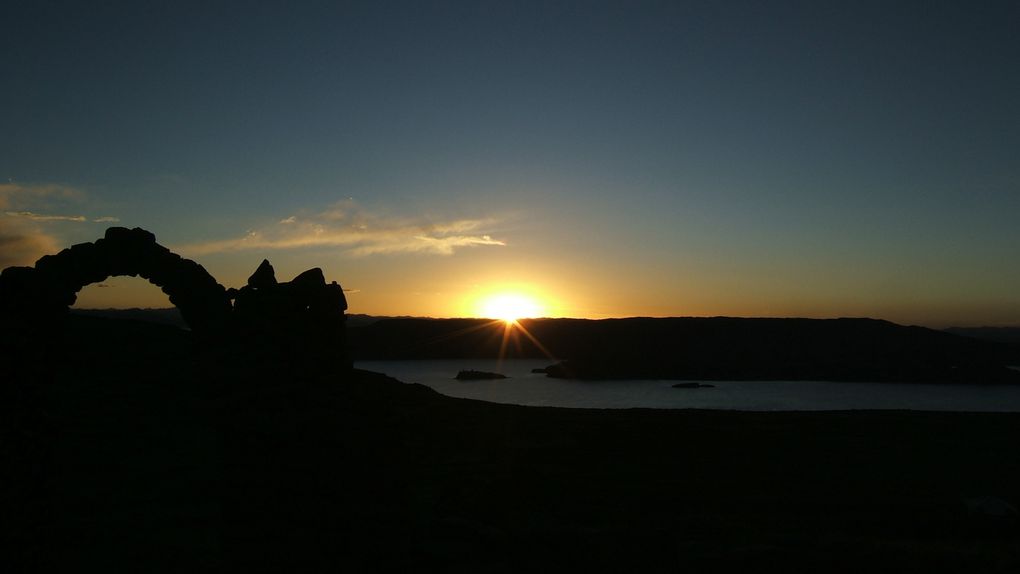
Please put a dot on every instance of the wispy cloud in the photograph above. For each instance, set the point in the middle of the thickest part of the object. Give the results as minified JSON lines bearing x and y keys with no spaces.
{"x":23,"y":246}
{"x":22,"y":242}
{"x":357,"y":232}
{"x":31,"y":216}
{"x":24,"y":201}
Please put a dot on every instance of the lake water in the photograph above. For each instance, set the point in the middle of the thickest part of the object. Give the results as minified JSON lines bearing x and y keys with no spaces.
{"x":527,"y":388}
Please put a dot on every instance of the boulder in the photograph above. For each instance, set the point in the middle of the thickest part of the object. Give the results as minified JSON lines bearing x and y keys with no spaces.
{"x":312,"y":278}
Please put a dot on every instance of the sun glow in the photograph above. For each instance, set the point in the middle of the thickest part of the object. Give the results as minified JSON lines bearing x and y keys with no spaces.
{"x":509,"y":307}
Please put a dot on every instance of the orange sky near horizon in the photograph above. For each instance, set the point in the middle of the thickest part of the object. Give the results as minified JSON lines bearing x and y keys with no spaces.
{"x":557,"y":299}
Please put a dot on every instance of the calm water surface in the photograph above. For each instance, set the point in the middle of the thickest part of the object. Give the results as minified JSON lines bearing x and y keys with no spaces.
{"x":526,"y":388}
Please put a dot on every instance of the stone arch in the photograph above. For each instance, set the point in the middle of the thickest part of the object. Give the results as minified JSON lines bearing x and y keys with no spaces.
{"x":51,"y":287}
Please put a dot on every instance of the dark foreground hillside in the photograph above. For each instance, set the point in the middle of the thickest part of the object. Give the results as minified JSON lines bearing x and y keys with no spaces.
{"x":154,"y":461}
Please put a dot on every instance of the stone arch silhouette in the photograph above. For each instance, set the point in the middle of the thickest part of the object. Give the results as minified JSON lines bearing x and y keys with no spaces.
{"x":51,"y":287}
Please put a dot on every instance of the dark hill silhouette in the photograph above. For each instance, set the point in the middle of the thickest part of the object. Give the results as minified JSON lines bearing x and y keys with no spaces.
{"x":99,"y":341}
{"x":162,"y":316}
{"x":258,"y":468}
{"x":1009,"y":336}
{"x":703,"y":348}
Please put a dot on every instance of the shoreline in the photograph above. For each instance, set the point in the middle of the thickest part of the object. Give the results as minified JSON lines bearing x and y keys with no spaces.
{"x":523,"y":387}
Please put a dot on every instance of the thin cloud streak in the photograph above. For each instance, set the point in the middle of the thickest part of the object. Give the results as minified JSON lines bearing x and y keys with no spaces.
{"x":357,"y":233}
{"x":25,"y":201}
{"x":43,"y":217}
{"x":46,"y":217}
{"x":24,"y":237}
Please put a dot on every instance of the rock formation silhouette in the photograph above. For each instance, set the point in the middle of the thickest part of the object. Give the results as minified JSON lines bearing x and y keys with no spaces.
{"x":44,"y":292}
{"x":302,"y":317}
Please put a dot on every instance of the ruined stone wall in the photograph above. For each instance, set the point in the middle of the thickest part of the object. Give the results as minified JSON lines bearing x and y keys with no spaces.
{"x":303,"y":317}
{"x":47,"y":290}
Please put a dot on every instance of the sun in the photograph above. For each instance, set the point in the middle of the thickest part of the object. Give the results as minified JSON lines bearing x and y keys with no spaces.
{"x":509,"y":307}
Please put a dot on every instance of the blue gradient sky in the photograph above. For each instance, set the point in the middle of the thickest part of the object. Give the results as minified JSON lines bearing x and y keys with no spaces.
{"x":611,"y":159}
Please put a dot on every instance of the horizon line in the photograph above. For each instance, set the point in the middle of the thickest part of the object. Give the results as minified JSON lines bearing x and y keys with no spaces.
{"x":622,"y":317}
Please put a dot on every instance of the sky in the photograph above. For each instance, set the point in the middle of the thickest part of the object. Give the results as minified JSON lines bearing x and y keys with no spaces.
{"x":602,"y":159}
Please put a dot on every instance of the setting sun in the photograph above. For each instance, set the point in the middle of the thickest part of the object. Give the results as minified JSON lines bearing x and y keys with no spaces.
{"x":509,"y":307}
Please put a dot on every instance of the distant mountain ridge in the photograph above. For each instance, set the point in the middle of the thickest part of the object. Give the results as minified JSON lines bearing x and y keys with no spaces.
{"x":704,"y":348}
{"x":172,"y":316}
{"x":714,"y":348}
{"x":1008,"y":335}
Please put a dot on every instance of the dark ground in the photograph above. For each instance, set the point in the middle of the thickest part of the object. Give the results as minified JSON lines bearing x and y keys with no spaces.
{"x":154,"y":461}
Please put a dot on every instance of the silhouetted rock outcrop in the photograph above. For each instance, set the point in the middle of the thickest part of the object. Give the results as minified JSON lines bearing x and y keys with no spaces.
{"x":263,"y":277}
{"x":43,"y":293}
{"x":302,"y":319}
